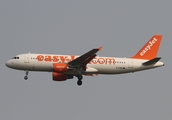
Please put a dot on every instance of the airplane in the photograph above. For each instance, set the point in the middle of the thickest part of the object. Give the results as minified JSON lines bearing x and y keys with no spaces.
{"x":65,"y":67}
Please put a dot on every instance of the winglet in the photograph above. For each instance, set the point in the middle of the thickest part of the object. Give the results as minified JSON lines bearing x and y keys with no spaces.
{"x":100,"y":48}
{"x":150,"y":49}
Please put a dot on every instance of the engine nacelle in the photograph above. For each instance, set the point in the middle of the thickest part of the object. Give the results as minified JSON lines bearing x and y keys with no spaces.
{"x":60,"y":67}
{"x":61,"y":77}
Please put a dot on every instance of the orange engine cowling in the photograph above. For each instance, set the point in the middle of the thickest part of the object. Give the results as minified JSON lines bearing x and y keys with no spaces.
{"x":61,"y":77}
{"x":60,"y":67}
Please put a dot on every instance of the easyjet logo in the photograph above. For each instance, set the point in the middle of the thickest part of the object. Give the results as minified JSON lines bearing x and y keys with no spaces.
{"x":57,"y":59}
{"x":149,"y":46}
{"x":60,"y":66}
{"x":66,"y":59}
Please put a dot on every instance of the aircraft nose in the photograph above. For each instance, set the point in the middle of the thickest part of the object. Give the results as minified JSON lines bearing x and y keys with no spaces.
{"x":8,"y":63}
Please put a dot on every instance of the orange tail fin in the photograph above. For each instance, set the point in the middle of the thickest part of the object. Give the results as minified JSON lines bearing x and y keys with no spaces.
{"x":150,"y":49}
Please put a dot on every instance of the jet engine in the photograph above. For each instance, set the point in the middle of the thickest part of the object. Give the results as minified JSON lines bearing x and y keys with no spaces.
{"x":61,"y":77}
{"x":60,"y":67}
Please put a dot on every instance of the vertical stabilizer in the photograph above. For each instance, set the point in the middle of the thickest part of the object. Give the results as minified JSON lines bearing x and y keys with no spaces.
{"x":150,"y":49}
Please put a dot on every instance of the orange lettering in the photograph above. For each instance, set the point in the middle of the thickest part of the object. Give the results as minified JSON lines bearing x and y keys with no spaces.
{"x":72,"y":57}
{"x":93,"y":61}
{"x":101,"y":61}
{"x":63,"y":58}
{"x":48,"y":58}
{"x":110,"y":60}
{"x":40,"y":57}
{"x":55,"y":58}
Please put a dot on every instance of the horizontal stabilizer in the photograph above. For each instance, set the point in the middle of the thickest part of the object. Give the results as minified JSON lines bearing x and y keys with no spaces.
{"x":152,"y":61}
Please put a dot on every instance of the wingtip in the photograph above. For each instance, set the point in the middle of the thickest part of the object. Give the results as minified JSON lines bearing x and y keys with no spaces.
{"x":100,"y":48}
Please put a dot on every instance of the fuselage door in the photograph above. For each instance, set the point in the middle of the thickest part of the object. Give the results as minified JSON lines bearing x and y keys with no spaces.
{"x":26,"y":58}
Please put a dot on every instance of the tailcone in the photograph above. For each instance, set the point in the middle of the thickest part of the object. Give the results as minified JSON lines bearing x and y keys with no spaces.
{"x":159,"y":64}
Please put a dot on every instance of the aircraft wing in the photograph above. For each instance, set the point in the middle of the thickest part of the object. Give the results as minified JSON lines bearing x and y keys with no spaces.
{"x":84,"y":59}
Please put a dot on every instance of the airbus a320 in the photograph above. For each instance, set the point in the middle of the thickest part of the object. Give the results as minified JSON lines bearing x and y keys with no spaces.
{"x":64,"y":67}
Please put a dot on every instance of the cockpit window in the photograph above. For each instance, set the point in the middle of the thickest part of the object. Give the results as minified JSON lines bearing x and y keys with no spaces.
{"x":15,"y":58}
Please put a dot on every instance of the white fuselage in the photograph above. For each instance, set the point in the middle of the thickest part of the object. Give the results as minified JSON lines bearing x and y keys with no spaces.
{"x":99,"y":65}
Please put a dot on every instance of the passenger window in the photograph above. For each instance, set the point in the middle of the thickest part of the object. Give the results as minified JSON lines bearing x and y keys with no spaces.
{"x":15,"y":58}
